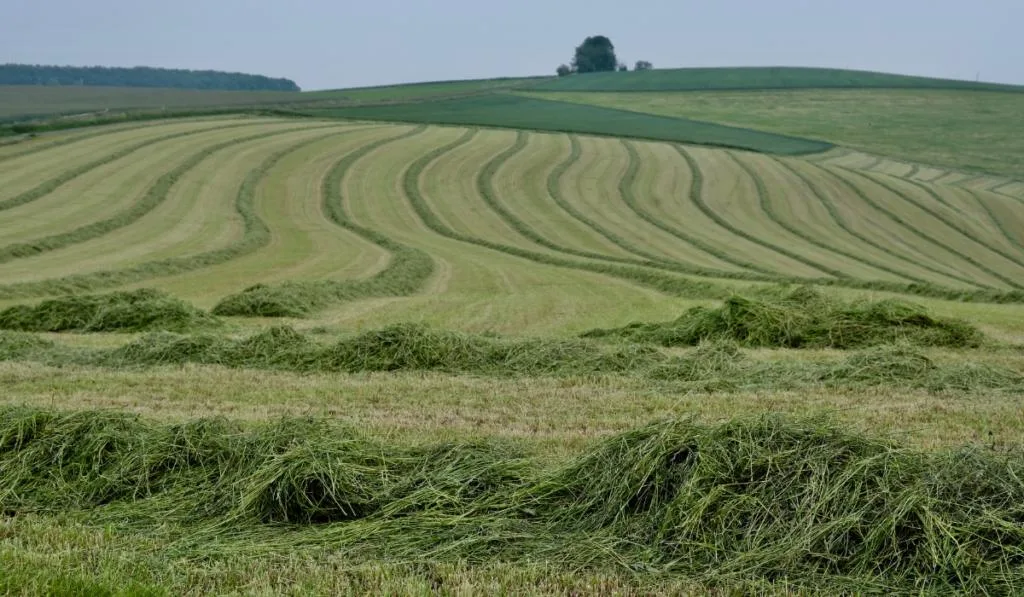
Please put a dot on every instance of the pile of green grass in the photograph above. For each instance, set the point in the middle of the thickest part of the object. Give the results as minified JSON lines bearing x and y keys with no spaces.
{"x":715,"y":365}
{"x":401,"y":347}
{"x":802,"y":318}
{"x":131,"y":311}
{"x":762,"y":498}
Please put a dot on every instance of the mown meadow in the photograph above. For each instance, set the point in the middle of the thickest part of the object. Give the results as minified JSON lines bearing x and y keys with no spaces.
{"x":477,"y":337}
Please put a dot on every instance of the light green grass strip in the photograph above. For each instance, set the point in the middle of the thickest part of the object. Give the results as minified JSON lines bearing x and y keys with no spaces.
{"x":53,"y":184}
{"x":920,"y":234}
{"x":153,"y":198}
{"x":255,"y":236}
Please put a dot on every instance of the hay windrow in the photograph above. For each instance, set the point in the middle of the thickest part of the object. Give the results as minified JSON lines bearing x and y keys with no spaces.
{"x":130,"y":311}
{"x":803,"y":318}
{"x":715,"y":365}
{"x":764,"y":497}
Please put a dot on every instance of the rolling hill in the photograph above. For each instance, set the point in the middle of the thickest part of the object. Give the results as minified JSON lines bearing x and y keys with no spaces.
{"x":639,"y":333}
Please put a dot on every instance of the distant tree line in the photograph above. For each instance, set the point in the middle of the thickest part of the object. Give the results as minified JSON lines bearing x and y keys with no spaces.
{"x":597,"y":54}
{"x":139,"y":76}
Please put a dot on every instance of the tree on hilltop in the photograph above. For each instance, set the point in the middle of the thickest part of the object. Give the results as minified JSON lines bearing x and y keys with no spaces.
{"x":595,"y":54}
{"x":563,"y":70}
{"x":643,"y":65}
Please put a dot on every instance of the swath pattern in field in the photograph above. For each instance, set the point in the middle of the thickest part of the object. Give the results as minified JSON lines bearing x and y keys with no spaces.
{"x":512,"y":230}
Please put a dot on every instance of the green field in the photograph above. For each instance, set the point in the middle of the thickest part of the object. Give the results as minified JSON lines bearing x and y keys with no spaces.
{"x":467,"y":339}
{"x":21,"y":102}
{"x":511,"y":111}
{"x":980,"y":131}
{"x":756,"y":78}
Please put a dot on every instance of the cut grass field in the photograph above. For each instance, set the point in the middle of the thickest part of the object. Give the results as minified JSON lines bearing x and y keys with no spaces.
{"x":427,"y":285}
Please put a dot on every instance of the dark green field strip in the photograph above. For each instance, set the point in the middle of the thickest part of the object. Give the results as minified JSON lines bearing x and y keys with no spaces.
{"x":255,"y":236}
{"x":154,"y":196}
{"x":529,"y":113}
{"x":407,"y":271}
{"x":877,"y":206}
{"x":698,"y":200}
{"x":951,"y":222}
{"x":755,"y":79}
{"x":53,"y":184}
{"x":764,"y":198}
{"x":840,"y":221}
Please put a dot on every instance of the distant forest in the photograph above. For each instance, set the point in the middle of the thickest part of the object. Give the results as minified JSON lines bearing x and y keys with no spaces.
{"x":139,"y":76}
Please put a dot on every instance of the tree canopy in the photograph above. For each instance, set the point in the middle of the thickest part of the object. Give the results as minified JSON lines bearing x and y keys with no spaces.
{"x":139,"y":76}
{"x":595,"y":54}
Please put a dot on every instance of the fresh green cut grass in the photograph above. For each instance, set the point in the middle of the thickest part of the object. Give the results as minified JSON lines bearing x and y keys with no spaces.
{"x":754,"y":78}
{"x":953,"y":129}
{"x":755,"y":498}
{"x":512,"y":111}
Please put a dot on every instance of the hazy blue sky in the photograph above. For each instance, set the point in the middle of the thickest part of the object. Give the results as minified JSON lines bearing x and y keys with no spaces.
{"x":342,"y":43}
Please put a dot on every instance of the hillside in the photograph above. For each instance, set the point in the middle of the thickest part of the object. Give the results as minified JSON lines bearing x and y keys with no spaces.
{"x":476,"y":337}
{"x":756,"y":78}
{"x":980,"y":132}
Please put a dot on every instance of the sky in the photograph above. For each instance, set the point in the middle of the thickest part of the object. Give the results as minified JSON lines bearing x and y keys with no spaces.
{"x":331,"y":44}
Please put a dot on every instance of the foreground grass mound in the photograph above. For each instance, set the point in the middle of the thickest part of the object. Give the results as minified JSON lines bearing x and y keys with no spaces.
{"x":748,"y":499}
{"x":136,"y":310}
{"x":803,"y":318}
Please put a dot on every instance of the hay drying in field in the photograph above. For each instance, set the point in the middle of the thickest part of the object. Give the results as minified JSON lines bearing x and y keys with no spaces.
{"x":131,"y":311}
{"x":753,"y":498}
{"x":803,"y":318}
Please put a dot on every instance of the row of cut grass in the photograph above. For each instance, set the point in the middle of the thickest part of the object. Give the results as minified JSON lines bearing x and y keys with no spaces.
{"x":47,"y":187}
{"x":197,"y":216}
{"x":783,"y":198}
{"x":405,"y":274}
{"x":889,"y":211}
{"x":255,"y":235}
{"x":803,"y":318}
{"x":153,"y":196}
{"x":716,"y":365}
{"x":850,"y":221}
